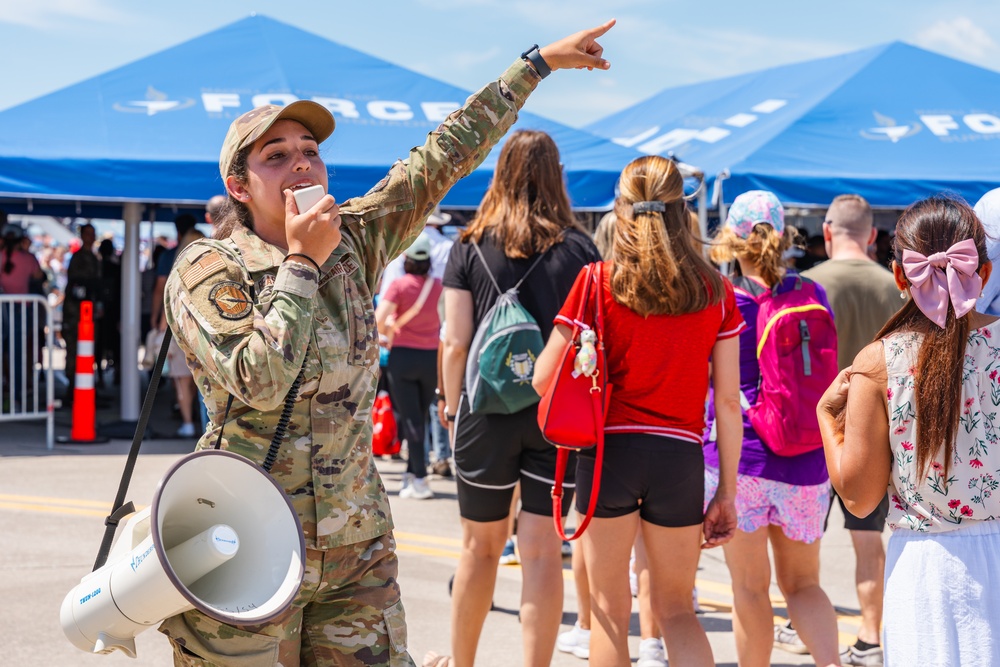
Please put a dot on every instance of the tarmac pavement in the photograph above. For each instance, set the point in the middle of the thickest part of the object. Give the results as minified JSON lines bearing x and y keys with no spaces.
{"x":52,"y":506}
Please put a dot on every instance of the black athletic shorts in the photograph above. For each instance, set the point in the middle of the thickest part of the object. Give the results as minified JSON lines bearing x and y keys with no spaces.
{"x":495,"y":452}
{"x":661,"y":478}
{"x":874,"y":522}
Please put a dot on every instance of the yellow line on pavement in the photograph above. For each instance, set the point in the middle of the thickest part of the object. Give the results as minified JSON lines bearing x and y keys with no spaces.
{"x":426,"y":551}
{"x":428,"y":539}
{"x":55,"y":501}
{"x":28,"y":507}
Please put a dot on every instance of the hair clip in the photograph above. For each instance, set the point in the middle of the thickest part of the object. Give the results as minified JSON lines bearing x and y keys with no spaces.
{"x":648,"y":207}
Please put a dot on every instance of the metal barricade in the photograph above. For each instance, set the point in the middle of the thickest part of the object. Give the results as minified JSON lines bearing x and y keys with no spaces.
{"x":25,"y":322}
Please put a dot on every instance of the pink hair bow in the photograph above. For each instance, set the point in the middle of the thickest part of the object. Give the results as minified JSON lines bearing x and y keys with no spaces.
{"x":944,"y":276}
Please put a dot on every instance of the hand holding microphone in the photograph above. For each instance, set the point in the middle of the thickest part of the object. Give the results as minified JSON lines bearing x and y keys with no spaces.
{"x":312,"y":223}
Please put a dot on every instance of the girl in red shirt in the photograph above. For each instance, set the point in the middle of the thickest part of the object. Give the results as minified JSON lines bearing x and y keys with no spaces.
{"x":668,"y":313}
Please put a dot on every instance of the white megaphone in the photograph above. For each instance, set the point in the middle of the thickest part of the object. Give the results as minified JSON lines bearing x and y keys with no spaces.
{"x":221,"y":536}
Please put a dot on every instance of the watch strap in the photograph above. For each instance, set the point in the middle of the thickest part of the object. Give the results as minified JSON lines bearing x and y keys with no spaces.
{"x":534,"y":56}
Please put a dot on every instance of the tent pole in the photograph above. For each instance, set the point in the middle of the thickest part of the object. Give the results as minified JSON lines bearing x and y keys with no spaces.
{"x":703,"y":215}
{"x":130,"y":326}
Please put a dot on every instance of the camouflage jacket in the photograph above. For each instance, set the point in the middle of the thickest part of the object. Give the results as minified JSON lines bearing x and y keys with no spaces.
{"x":248,"y":321}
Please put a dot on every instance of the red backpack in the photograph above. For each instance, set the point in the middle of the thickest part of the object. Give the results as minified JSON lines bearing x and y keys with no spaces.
{"x":797,"y":354}
{"x":384,"y":433}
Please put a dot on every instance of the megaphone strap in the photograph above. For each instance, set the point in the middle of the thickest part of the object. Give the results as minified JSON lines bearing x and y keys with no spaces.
{"x":222,"y":426}
{"x":119,"y":506}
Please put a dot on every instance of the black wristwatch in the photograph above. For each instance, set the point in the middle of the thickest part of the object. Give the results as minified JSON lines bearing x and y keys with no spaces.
{"x":534,"y":56}
{"x":449,"y":418}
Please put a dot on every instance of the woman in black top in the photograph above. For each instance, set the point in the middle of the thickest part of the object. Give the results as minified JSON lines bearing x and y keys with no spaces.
{"x":524,"y":218}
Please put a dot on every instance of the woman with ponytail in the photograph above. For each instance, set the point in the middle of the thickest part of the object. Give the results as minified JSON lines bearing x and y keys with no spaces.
{"x":917,"y":412}
{"x":667,"y":313}
{"x":781,"y":500}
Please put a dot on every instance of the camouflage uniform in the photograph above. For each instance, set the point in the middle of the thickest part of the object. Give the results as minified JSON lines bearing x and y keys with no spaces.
{"x":248,"y":321}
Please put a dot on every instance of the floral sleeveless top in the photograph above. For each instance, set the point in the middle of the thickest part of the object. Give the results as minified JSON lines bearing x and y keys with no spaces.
{"x":969,"y":493}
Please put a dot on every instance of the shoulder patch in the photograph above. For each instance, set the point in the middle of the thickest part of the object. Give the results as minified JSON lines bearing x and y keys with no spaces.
{"x":231,"y":300}
{"x":378,"y":187}
{"x":206,"y":266}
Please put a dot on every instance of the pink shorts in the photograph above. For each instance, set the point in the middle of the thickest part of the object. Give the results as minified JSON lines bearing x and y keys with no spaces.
{"x":800,"y":511}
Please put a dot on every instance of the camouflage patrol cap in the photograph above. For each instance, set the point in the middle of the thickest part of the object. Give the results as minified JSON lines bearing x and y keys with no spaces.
{"x":250,"y":126}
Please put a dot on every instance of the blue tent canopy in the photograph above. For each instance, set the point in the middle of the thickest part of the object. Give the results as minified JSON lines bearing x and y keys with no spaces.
{"x":150,"y":131}
{"x":893,"y":123}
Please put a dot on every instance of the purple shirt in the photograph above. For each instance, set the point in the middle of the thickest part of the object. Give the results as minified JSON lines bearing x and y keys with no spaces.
{"x":756,"y":459}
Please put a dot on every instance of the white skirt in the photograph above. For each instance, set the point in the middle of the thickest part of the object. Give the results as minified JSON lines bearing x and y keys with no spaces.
{"x":942,"y":598}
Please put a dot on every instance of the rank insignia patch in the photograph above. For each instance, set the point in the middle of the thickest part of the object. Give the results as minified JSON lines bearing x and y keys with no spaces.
{"x":231,"y":300}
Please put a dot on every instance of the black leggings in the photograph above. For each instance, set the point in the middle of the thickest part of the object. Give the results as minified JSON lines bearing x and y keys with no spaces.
{"x":412,"y":380}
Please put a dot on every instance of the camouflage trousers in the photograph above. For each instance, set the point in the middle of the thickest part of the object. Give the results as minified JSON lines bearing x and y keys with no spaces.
{"x":348,"y":613}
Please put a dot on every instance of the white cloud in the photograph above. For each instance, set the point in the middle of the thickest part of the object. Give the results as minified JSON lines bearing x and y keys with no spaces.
{"x":52,"y":14}
{"x":959,"y":37}
{"x":705,"y":53}
{"x":465,"y":61}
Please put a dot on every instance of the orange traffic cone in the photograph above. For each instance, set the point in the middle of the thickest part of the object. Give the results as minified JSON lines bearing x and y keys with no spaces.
{"x":84,"y":430}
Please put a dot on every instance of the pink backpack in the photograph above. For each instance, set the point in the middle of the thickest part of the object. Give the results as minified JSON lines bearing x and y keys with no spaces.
{"x":797,"y":354}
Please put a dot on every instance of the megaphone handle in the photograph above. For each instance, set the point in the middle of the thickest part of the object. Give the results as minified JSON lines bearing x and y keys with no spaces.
{"x":111,"y":522}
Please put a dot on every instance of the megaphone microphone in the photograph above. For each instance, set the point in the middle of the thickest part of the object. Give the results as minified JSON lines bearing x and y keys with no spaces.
{"x":220,"y":536}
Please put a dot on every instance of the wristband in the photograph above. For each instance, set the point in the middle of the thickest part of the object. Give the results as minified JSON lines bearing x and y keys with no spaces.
{"x":299,"y":254}
{"x":448,"y":417}
{"x":534,"y":56}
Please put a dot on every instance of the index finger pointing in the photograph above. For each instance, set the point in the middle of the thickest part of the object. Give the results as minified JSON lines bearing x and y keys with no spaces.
{"x":600,"y":30}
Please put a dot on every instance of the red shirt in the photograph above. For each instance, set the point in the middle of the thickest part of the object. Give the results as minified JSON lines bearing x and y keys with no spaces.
{"x":658,"y":365}
{"x":423,"y":331}
{"x":24,"y":265}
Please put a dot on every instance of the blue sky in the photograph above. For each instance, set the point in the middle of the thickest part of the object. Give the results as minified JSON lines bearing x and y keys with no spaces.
{"x":48,"y":44}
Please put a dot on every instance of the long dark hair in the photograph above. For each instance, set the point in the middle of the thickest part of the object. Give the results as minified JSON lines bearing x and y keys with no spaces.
{"x":929,"y":226}
{"x":526,"y":209}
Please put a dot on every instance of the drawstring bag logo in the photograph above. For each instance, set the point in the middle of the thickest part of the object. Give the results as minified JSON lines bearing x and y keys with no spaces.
{"x":522,"y":366}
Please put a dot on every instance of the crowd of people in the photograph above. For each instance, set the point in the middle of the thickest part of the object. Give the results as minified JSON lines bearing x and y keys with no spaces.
{"x":754,"y":377}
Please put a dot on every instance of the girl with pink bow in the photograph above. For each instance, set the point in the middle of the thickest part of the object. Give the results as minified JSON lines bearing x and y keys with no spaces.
{"x":919,"y":413}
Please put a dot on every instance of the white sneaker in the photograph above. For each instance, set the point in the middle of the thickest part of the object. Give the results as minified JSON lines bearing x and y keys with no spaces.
{"x":509,"y":554}
{"x":787,"y":639}
{"x":186,"y":431}
{"x":417,"y":490}
{"x":404,"y":483}
{"x":576,"y":641}
{"x":651,"y":653}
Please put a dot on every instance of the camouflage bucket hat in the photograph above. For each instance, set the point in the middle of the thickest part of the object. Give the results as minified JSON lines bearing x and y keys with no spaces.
{"x":250,"y":126}
{"x":753,"y":208}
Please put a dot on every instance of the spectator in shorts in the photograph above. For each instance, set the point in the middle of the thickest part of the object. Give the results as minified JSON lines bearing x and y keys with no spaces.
{"x":177,"y":368}
{"x":667,"y":313}
{"x":916,"y":412}
{"x":781,"y":500}
{"x":864,"y":296}
{"x":524,"y":218}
